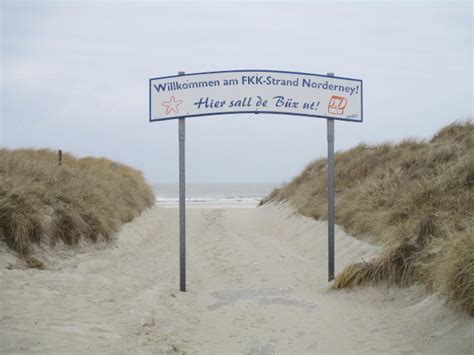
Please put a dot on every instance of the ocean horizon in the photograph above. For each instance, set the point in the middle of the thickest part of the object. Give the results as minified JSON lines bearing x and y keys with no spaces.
{"x":214,"y":193}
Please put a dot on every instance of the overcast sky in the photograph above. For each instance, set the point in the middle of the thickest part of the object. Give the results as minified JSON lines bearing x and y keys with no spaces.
{"x":75,"y":77}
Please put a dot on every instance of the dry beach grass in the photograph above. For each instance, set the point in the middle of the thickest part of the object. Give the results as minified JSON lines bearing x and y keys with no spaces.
{"x":414,"y":197}
{"x":42,"y":202}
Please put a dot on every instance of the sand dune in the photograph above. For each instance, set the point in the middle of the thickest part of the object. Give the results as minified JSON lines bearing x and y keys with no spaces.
{"x":256,"y":281}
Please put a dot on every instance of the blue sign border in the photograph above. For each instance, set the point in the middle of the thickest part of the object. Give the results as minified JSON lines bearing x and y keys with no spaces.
{"x":257,"y":112}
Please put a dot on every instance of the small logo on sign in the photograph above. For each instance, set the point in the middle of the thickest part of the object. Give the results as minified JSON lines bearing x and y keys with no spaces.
{"x":337,"y":104}
{"x":172,"y":105}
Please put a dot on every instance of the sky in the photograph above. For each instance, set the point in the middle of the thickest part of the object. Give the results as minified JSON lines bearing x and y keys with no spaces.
{"x":74,"y":76}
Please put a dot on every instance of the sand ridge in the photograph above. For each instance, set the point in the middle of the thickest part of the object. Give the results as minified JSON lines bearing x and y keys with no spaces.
{"x":256,"y":285}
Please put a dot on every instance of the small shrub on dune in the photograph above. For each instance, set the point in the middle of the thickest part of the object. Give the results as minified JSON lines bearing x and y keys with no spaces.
{"x":66,"y":226}
{"x":415,"y":197}
{"x":41,"y":202}
{"x":21,"y":223}
{"x":394,"y":266}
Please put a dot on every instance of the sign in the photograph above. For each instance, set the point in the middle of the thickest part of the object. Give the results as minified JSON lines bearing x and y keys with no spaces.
{"x":255,"y":91}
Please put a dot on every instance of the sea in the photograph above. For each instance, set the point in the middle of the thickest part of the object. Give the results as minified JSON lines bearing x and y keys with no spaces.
{"x":238,"y":195}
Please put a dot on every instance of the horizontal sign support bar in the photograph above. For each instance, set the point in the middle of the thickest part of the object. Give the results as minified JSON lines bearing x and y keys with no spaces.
{"x":255,"y":91}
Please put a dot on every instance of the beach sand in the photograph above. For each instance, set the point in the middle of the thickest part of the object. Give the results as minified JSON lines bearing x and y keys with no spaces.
{"x":257,"y":284}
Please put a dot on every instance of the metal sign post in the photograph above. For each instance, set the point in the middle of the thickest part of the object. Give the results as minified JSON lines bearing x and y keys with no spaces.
{"x":182,"y":202}
{"x":331,"y":209}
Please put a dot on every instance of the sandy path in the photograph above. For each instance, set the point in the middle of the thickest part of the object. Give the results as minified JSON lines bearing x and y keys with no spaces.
{"x":256,"y":284}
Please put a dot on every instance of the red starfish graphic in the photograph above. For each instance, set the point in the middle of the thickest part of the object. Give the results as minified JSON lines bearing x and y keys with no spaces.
{"x":171,"y":105}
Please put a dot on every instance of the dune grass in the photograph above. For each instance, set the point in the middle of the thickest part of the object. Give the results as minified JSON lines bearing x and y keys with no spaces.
{"x":415,"y":197}
{"x":42,"y":202}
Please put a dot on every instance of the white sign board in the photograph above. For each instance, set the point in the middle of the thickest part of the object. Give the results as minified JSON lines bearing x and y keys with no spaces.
{"x":255,"y":91}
